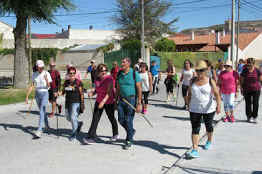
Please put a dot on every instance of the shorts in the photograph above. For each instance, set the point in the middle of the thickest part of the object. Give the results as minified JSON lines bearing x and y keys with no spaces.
{"x":228,"y":100}
{"x":184,"y":90}
{"x":52,"y":97}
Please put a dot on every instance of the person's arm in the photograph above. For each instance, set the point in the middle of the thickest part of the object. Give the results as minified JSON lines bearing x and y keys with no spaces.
{"x":29,"y":91}
{"x":139,"y":96}
{"x":188,"y":98}
{"x":217,"y":96}
{"x":214,"y":75}
{"x":150,"y":82}
{"x":182,"y":77}
{"x":47,"y":80}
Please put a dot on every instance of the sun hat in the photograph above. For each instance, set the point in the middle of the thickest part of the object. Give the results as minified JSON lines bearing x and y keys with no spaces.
{"x":229,"y":62}
{"x":92,"y":61}
{"x":201,"y":64}
{"x":40,"y":63}
{"x":140,"y":60}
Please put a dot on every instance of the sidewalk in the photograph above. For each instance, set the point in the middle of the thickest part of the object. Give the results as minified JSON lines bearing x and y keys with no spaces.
{"x":236,"y":147}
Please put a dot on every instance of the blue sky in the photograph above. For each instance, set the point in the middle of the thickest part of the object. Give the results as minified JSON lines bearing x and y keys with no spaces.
{"x":191,"y":13}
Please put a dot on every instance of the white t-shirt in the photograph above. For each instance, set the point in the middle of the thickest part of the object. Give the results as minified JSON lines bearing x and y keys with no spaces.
{"x":39,"y":80}
{"x":187,"y":76}
{"x":145,"y":81}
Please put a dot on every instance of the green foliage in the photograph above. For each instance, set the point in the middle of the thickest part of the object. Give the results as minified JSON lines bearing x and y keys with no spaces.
{"x":44,"y":54}
{"x":178,"y":58}
{"x":165,"y":45}
{"x":129,"y":20}
{"x":38,"y":10}
{"x":132,"y":44}
{"x":9,"y":96}
{"x":68,"y":48}
{"x":1,"y":39}
{"x":106,"y":48}
{"x":5,"y":52}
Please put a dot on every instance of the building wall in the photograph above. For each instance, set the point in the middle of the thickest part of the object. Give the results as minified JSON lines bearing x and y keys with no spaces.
{"x":101,"y":35}
{"x":53,"y":43}
{"x":7,"y":31}
{"x":254,"y":48}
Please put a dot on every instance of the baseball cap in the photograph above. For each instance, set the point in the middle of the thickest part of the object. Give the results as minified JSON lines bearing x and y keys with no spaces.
{"x":40,"y":63}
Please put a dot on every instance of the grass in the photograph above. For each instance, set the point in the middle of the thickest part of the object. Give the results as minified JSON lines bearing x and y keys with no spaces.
{"x":11,"y":95}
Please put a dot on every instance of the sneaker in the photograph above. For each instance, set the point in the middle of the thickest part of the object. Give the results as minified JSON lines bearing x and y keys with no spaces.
{"x":226,"y":119}
{"x":38,"y":134}
{"x":251,"y":120}
{"x":59,"y":109}
{"x":114,"y":138}
{"x":255,"y":120}
{"x":232,"y":119}
{"x":193,"y":154}
{"x":128,"y":145}
{"x":207,"y":145}
{"x":88,"y":140}
{"x":51,"y":115}
{"x":72,"y":137}
{"x":80,"y":124}
{"x":145,"y":111}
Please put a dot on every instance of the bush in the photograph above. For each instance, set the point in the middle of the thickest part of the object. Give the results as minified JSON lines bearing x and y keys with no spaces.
{"x":131,"y":44}
{"x":165,"y":45}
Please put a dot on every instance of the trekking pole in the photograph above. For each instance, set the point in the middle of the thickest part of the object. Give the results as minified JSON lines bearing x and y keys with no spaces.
{"x":30,"y":107}
{"x":91,"y":106}
{"x":177,"y":94}
{"x":57,"y":131}
{"x":140,"y":113}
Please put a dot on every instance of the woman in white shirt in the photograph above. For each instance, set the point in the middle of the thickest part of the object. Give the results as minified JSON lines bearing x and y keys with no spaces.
{"x":41,"y":82}
{"x":202,"y":105}
{"x":147,"y":86}
{"x":187,"y":74}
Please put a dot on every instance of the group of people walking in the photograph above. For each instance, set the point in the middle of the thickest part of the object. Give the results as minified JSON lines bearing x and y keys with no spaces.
{"x":127,"y":90}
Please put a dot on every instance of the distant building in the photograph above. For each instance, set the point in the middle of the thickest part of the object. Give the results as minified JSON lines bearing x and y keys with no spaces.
{"x":249,"y":43}
{"x":7,"y":31}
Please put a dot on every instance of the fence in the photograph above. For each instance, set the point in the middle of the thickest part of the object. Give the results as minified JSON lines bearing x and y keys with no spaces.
{"x":110,"y":57}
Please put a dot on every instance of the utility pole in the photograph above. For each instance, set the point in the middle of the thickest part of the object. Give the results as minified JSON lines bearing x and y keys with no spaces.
{"x":143,"y":32}
{"x":29,"y":50}
{"x":232,"y":56}
{"x":238,"y":28}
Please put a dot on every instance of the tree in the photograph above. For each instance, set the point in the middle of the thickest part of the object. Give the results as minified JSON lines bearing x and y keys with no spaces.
{"x":128,"y":18}
{"x":132,"y":44}
{"x":37,"y":10}
{"x":165,"y":45}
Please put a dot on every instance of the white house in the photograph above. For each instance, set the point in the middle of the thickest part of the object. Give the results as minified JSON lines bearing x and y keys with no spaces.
{"x":7,"y":31}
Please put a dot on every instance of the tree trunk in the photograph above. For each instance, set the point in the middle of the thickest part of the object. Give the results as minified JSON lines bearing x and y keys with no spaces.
{"x":21,"y":74}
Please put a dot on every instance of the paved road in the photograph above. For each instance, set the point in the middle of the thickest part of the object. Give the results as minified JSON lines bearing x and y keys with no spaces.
{"x":158,"y":150}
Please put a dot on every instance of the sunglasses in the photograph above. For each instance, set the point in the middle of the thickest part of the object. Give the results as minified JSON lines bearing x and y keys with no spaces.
{"x":103,"y":70}
{"x":72,"y":73}
{"x":201,"y":70}
{"x":227,"y":66}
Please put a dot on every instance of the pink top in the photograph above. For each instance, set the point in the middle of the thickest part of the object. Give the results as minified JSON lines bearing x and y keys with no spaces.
{"x":78,"y":76}
{"x":228,"y":82}
{"x":101,"y":89}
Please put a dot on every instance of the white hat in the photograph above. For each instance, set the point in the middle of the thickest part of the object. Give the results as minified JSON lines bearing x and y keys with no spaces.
{"x":140,"y":60}
{"x":40,"y":63}
{"x":92,"y":61}
{"x":229,"y":62}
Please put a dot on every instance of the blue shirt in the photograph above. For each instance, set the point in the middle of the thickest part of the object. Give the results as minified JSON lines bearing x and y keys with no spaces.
{"x":89,"y":69}
{"x":154,"y":70}
{"x":240,"y":68}
{"x":127,"y":83}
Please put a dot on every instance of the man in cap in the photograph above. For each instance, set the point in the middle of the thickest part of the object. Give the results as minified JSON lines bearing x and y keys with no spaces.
{"x":54,"y":87}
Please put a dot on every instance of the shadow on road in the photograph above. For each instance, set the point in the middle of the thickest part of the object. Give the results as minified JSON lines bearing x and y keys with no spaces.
{"x":35,"y":113}
{"x":178,"y":118}
{"x":168,"y":106}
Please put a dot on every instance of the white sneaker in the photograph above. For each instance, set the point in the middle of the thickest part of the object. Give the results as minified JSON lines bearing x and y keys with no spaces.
{"x":251,"y":120}
{"x":38,"y":134}
{"x":114,"y":138}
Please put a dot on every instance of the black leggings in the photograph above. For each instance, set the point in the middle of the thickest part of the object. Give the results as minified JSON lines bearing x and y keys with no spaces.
{"x":195,"y":119}
{"x":110,"y":111}
{"x":252,"y":98}
{"x":145,"y":97}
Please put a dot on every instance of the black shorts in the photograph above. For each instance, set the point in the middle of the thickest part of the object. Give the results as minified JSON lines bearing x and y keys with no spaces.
{"x":184,"y":90}
{"x":52,"y":97}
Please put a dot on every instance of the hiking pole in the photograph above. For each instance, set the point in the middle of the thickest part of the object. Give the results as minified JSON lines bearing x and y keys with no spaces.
{"x":30,"y":107}
{"x":143,"y":115}
{"x":57,"y":131}
{"x":91,"y":106}
{"x":177,"y":94}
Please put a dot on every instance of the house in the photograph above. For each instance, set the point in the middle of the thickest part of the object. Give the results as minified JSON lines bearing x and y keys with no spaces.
{"x":249,"y":43}
{"x":6,"y":30}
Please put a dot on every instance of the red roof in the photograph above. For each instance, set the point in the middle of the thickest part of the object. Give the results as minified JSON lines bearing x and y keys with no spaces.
{"x":44,"y":36}
{"x":244,"y":40}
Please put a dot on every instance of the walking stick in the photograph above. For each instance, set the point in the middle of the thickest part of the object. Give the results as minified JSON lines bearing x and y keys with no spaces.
{"x":135,"y":110}
{"x":30,"y":107}
{"x":57,"y":131}
{"x":177,"y":94}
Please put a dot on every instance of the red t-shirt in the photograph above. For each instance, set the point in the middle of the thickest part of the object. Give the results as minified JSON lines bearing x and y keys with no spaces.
{"x":228,"y":81}
{"x":114,"y":72}
{"x":56,"y":79}
{"x":101,"y":89}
